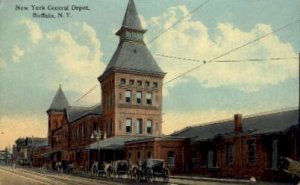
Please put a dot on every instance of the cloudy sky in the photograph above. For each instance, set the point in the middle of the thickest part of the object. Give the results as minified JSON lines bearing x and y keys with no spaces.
{"x":37,"y":54}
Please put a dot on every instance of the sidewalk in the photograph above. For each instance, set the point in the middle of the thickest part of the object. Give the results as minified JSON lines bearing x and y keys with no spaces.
{"x":223,"y":180}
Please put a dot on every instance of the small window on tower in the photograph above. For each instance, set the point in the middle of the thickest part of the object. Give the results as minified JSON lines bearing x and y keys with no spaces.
{"x":149,"y":126}
{"x":155,"y":85}
{"x":128,"y":125}
{"x":131,"y":82}
{"x":139,"y":97}
{"x":139,"y":126}
{"x":147,"y":84}
{"x":127,"y":96}
{"x":139,"y":83}
{"x":123,"y":81}
{"x":149,"y":98}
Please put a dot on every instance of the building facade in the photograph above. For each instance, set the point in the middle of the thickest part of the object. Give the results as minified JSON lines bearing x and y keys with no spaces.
{"x":131,"y":108}
{"x":24,"y":147}
{"x":128,"y":124}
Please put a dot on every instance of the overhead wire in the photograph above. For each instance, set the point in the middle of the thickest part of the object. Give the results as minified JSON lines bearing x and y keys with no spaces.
{"x":232,"y":50}
{"x":155,"y":38}
{"x":240,"y":60}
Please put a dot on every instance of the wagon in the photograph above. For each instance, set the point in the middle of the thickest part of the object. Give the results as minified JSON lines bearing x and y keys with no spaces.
{"x":151,"y":169}
{"x":121,"y":167}
{"x":291,"y":167}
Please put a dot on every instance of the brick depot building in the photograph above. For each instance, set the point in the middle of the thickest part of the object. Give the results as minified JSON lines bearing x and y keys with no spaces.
{"x":130,"y":120}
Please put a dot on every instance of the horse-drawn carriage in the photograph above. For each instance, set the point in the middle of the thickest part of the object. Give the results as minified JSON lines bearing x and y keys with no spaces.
{"x":291,"y":167}
{"x":151,"y":169}
{"x":121,"y":167}
{"x":102,"y":168}
{"x":147,"y":171}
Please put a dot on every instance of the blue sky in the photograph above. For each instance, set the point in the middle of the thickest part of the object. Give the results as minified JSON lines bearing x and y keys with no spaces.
{"x":37,"y":54}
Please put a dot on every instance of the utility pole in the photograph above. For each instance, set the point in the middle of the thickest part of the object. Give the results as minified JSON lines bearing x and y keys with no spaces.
{"x":297,"y":142}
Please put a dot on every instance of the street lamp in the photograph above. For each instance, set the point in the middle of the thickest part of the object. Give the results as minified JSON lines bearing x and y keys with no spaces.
{"x":97,"y":135}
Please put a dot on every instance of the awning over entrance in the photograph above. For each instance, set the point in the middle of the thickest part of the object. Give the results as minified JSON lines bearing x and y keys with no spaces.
{"x":113,"y":143}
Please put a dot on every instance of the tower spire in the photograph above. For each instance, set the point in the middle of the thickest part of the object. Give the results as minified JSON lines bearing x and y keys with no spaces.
{"x":131,"y":20}
{"x":59,"y":102}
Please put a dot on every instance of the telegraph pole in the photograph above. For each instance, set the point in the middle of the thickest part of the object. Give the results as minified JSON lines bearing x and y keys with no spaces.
{"x":297,"y":142}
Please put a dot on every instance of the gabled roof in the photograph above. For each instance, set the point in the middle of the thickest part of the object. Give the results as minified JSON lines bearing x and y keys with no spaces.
{"x":59,"y":102}
{"x":131,"y":19}
{"x":271,"y":123}
{"x":76,"y":113}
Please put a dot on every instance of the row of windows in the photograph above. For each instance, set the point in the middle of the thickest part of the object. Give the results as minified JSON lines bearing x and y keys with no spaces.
{"x":251,"y":152}
{"x":139,"y":83}
{"x":80,"y":132}
{"x":139,"y":126}
{"x":138,"y":97}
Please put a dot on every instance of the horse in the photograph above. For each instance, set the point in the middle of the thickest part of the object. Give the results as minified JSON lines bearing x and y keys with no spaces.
{"x":102,"y":168}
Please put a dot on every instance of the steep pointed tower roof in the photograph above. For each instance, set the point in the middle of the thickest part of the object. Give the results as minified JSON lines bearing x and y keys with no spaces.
{"x":59,"y":102}
{"x":132,"y":54}
{"x":131,"y":18}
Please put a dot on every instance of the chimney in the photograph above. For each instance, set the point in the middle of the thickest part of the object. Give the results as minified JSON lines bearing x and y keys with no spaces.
{"x":238,"y":123}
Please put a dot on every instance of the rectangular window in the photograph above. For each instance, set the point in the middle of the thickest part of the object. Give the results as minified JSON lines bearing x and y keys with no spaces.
{"x":127,"y":96}
{"x":274,"y":158}
{"x":147,"y":84}
{"x":251,"y":152}
{"x":210,"y":159}
{"x":111,"y":127}
{"x":171,"y":158}
{"x":139,"y":97}
{"x":123,"y":81}
{"x":229,"y":153}
{"x":149,"y":98}
{"x":155,"y":85}
{"x":139,"y":83}
{"x":139,"y":126}
{"x":94,"y":126}
{"x":149,"y":126}
{"x":131,"y":82}
{"x":128,"y":125}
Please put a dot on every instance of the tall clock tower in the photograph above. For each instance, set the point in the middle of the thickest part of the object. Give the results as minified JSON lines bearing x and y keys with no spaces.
{"x":131,"y":84}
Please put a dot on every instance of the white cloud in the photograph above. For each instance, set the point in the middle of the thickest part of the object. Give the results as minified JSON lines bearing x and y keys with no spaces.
{"x":191,"y":39}
{"x":18,"y":53}
{"x":73,"y":57}
{"x":79,"y":55}
{"x":34,"y":30}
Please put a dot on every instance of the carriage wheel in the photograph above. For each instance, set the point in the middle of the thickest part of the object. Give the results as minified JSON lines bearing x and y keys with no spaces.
{"x":166,"y":175}
{"x":149,"y":176}
{"x":134,"y":173}
{"x":138,"y":176}
{"x":94,"y":170}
